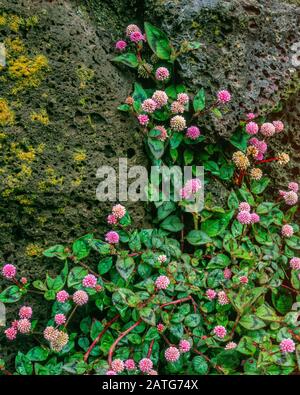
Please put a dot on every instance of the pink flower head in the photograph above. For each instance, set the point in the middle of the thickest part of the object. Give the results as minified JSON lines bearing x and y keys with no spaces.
{"x":51,"y":334}
{"x":183,"y":98}
{"x":244,"y":206}
{"x":112,"y":219}
{"x":162,"y":282}
{"x":163,"y":132}
{"x":279,"y":126}
{"x":143,"y":119}
{"x":193,"y":132}
{"x":23,"y":280}
{"x":137,"y":37}
{"x":152,"y":372}
{"x":14,"y":324}
{"x":111,"y":373}
{"x":11,"y":333}
{"x":172,"y":354}
{"x":162,"y":74}
{"x":290,"y":198}
{"x":244,"y":217}
{"x":293,"y":186}
{"x":295,"y":263}
{"x":262,"y":146}
{"x":251,"y":116}
{"x":98,"y":288}
{"x":145,"y":365}
{"x":62,"y":296}
{"x":24,"y":325}
{"x":129,"y":364}
{"x":25,"y":312}
{"x":259,"y":156}
{"x":211,"y":294}
{"x":132,"y":28}
{"x":227,"y":273}
{"x":253,"y":141}
{"x":149,"y":106}
{"x":89,"y":281}
{"x":160,"y":98}
{"x":267,"y":129}
{"x":177,"y":108}
{"x":121,"y":45}
{"x":223,"y":96}
{"x":160,"y":327}
{"x":287,"y":345}
{"x":222,"y":298}
{"x":60,"y":319}
{"x":162,"y":258}
{"x":255,"y":218}
{"x":9,"y":271}
{"x":178,"y":123}
{"x":252,"y":128}
{"x":230,"y":346}
{"x":287,"y":231}
{"x":80,"y":298}
{"x":118,"y":211}
{"x":117,"y":365}
{"x":184,"y":346}
{"x":191,"y":187}
{"x":243,"y":280}
{"x":220,"y":331}
{"x":112,"y":237}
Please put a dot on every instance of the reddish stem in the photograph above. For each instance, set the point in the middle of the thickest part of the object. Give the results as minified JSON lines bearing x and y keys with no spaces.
{"x":219,"y":369}
{"x":176,"y":301}
{"x":86,"y":356}
{"x":150,"y":349}
{"x":266,"y":160}
{"x":123,"y":334}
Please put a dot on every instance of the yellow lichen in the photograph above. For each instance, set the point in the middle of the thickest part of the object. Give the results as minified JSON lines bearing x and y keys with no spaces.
{"x":14,"y":46}
{"x":34,"y":250}
{"x":26,"y":156}
{"x":76,"y":182}
{"x":14,"y":23}
{"x":79,"y":156}
{"x":41,"y":117}
{"x":6,"y":115}
{"x":3,"y":20}
{"x":84,"y":75}
{"x":24,"y":200}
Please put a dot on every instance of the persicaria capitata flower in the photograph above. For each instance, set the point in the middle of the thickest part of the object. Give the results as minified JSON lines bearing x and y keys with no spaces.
{"x":287,"y":346}
{"x":129,"y":100}
{"x":290,"y":198}
{"x":117,"y":365}
{"x":287,"y":231}
{"x":112,"y":219}
{"x":160,"y":327}
{"x":23,"y":280}
{"x":193,"y":132}
{"x":112,"y":237}
{"x":11,"y":333}
{"x":256,"y":173}
{"x":143,"y":119}
{"x":240,"y":160}
{"x":60,"y":319}
{"x":145,"y":365}
{"x":254,"y":218}
{"x":137,"y":37}
{"x":295,"y":263}
{"x":111,"y":373}
{"x":118,"y":211}
{"x":184,"y":346}
{"x":162,"y":258}
{"x":162,"y":74}
{"x":279,"y":126}
{"x":283,"y":158}
{"x":252,"y":128}
{"x":80,"y":298}
{"x":25,"y":312}
{"x":163,"y":132}
{"x":223,"y":96}
{"x":227,"y":273}
{"x":89,"y":281}
{"x":220,"y":331}
{"x":162,"y":282}
{"x":9,"y":271}
{"x":160,"y":98}
{"x":62,"y":296}
{"x":60,"y":341}
{"x":149,"y":106}
{"x":251,"y":116}
{"x":172,"y":354}
{"x":132,"y":28}
{"x":50,"y":333}
{"x":222,"y":298}
{"x":183,"y":98}
{"x":211,"y":294}
{"x":230,"y":346}
{"x":152,"y":372}
{"x":24,"y":325}
{"x":243,"y":280}
{"x":177,"y":108}
{"x":244,"y":206}
{"x":244,"y":217}
{"x":121,"y":45}
{"x":178,"y":123}
{"x":129,"y":364}
{"x":252,"y":151}
{"x":267,"y":129}
{"x":293,"y":186}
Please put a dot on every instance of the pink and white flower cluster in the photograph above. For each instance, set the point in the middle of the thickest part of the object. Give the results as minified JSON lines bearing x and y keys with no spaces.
{"x":291,"y":196}
{"x":145,"y":365}
{"x":190,"y":188}
{"x":245,"y":217}
{"x":23,"y":325}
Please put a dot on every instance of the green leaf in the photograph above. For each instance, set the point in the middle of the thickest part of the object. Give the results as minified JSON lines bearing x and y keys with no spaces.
{"x":105,"y":265}
{"x":251,"y":322}
{"x":266,"y":313}
{"x":129,"y":58}
{"x":198,"y":237}
{"x":158,"y":41}
{"x":240,"y":140}
{"x":23,"y":364}
{"x":165,"y":210}
{"x":188,"y":156}
{"x":259,"y":186}
{"x":175,"y":140}
{"x":199,"y":100}
{"x":200,"y":365}
{"x":148,"y":315}
{"x":37,"y":354}
{"x":218,"y":262}
{"x":124,"y":107}
{"x":246,"y":346}
{"x":172,"y":224}
{"x":214,"y":227}
{"x":81,"y":248}
{"x":156,"y":147}
{"x":125,"y":267}
{"x":192,"y":320}
{"x":282,"y":301}
{"x":57,"y":251}
{"x":293,"y":242}
{"x":11,"y":294}
{"x":233,"y":201}
{"x":138,"y":95}
{"x":76,"y":276}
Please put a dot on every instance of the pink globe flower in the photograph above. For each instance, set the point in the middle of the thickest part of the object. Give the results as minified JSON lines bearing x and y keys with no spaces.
{"x":143,"y":119}
{"x":149,"y":106}
{"x":222,"y":298}
{"x":121,"y":45}
{"x":51,"y":334}
{"x":253,"y":141}
{"x":224,"y":96}
{"x":220,"y":331}
{"x":25,"y":312}
{"x":62,"y":296}
{"x":244,"y":217}
{"x":290,"y":198}
{"x":152,"y":372}
{"x":132,"y":28}
{"x":24,"y":325}
{"x":80,"y":298}
{"x":112,"y":219}
{"x":162,"y":282}
{"x":11,"y":333}
{"x":172,"y":354}
{"x":145,"y":365}
{"x":211,"y":294}
{"x":177,"y":108}
{"x":244,"y":280}
{"x":14,"y":324}
{"x":287,"y":231}
{"x":117,"y":365}
{"x":183,"y":98}
{"x":267,"y":129}
{"x":259,"y":156}
{"x":244,"y":206}
{"x":252,"y":128}
{"x":262,"y":146}
{"x":295,"y":263}
{"x":193,"y":132}
{"x":160,"y":327}
{"x":227,"y":273}
{"x":160,"y":98}
{"x":191,"y":187}
{"x":162,"y":74}
{"x":137,"y":37}
{"x":129,"y":364}
{"x":251,"y":116}
{"x":279,"y":126}
{"x":162,"y":258}
{"x":178,"y":123}
{"x":111,"y":373}
{"x":9,"y":271}
{"x":163,"y":132}
{"x":230,"y":346}
{"x":60,"y":319}
{"x":287,"y":346}
{"x":293,"y":186}
{"x":89,"y":281}
{"x":184,"y":346}
{"x":255,"y":218}
{"x":119,"y":211}
{"x":23,"y":280}
{"x":112,"y":237}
